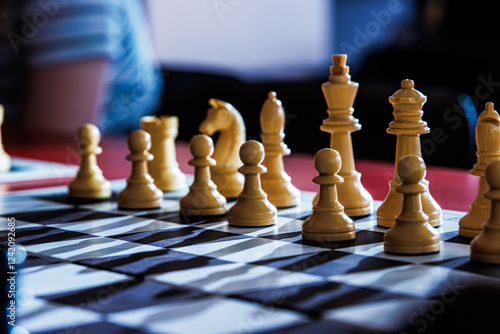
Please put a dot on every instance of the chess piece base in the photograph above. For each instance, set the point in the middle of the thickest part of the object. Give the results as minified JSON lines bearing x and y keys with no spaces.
{"x":485,"y":257}
{"x":252,"y":212}
{"x":104,"y":194}
{"x":327,"y":224}
{"x":355,"y":199}
{"x":203,"y":202}
{"x":90,"y":188}
{"x":414,"y":237}
{"x":280,"y":194}
{"x":391,"y":207}
{"x":468,"y":232}
{"x":170,"y":180}
{"x":411,"y":250}
{"x":228,"y":185}
{"x":472,"y":223}
{"x":326,"y":237}
{"x":357,"y":202}
{"x":485,"y":247}
{"x":203,"y":212}
{"x":241,"y":222}
{"x":140,"y":196}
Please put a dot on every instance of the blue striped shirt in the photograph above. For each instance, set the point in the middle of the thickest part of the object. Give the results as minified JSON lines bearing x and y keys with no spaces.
{"x":50,"y":32}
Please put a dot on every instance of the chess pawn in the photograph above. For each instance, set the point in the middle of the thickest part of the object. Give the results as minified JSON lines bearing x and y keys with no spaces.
{"x":328,"y":222}
{"x":339,"y":93}
{"x":486,"y":246}
{"x":203,"y":198}
{"x":5,"y":161}
{"x":89,"y":182}
{"x":252,"y":207}
{"x":275,"y":182}
{"x":488,"y":149}
{"x":411,"y":233}
{"x":140,"y":192}
{"x":164,"y":168}
{"x":407,"y":125}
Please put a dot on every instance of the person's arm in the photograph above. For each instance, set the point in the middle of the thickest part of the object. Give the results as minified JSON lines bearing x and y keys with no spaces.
{"x":62,"y":97}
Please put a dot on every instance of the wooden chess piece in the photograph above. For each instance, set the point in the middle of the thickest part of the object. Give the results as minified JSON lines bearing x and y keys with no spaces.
{"x":203,"y":198}
{"x":275,"y":182}
{"x":488,"y":150}
{"x":140,"y":192}
{"x":411,"y":233}
{"x":89,"y":182}
{"x":328,"y":222}
{"x":486,"y":246}
{"x":164,"y":168}
{"x":5,"y":161}
{"x":222,"y":117}
{"x":407,"y":125}
{"x":339,"y":93}
{"x":252,"y":207}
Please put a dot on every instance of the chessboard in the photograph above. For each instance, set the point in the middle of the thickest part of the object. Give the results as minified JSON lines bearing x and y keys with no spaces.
{"x":24,"y":170}
{"x":92,"y":268}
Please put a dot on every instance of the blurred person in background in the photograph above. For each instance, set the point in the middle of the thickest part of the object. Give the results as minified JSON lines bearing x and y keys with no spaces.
{"x":64,"y":63}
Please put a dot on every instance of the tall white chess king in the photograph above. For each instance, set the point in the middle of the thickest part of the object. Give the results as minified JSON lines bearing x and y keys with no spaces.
{"x":339,"y":93}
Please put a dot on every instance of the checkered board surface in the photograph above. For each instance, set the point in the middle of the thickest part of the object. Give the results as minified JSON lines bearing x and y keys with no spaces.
{"x":23,"y":169}
{"x":92,"y":268}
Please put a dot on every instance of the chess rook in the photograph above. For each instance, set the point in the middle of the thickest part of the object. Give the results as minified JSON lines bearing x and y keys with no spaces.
{"x":486,"y":246}
{"x":411,"y":233}
{"x":203,"y":198}
{"x":275,"y":182}
{"x":488,"y":150}
{"x":328,"y":222}
{"x":5,"y":161}
{"x":89,"y":182}
{"x":222,"y":117}
{"x":339,"y":93}
{"x":408,"y":126}
{"x":164,"y":168}
{"x":140,"y":192}
{"x":252,"y":207}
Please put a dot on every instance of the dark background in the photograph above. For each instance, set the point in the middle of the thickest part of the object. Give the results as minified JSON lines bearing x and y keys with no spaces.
{"x":449,"y":48}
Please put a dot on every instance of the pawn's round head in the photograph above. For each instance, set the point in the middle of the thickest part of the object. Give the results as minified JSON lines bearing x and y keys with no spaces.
{"x":201,"y":146}
{"x":88,"y":134}
{"x":411,"y":169}
{"x":139,"y":141}
{"x":407,"y":84}
{"x":492,"y":174}
{"x":327,"y":161}
{"x":251,"y":153}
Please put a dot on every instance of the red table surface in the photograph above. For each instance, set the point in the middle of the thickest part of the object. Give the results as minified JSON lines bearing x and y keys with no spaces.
{"x":452,"y":188}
